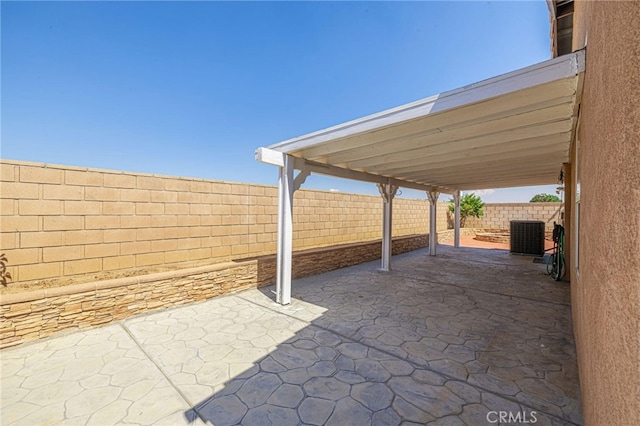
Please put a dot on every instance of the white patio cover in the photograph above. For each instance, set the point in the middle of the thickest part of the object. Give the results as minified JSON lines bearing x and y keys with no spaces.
{"x":511,"y":130}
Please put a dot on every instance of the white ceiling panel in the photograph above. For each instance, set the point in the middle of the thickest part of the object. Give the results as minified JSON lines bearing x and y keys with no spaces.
{"x":511,"y":130}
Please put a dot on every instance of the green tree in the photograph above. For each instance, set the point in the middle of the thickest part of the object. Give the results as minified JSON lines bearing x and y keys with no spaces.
{"x":470,"y":206}
{"x":545,"y":198}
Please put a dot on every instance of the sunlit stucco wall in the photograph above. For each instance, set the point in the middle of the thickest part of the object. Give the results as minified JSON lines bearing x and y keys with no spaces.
{"x":606,"y":281}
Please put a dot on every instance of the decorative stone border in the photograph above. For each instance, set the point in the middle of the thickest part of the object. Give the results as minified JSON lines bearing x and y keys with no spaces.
{"x":40,"y":313}
{"x":494,"y":236}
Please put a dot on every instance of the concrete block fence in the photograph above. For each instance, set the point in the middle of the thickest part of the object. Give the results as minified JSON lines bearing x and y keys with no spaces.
{"x":498,"y":216}
{"x":87,"y":246}
{"x":60,"y":221}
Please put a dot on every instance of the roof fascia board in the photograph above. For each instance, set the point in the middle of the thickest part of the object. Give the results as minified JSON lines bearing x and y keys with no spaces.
{"x":565,"y":66}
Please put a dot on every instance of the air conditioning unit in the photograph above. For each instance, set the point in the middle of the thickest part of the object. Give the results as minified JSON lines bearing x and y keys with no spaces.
{"x":527,"y":237}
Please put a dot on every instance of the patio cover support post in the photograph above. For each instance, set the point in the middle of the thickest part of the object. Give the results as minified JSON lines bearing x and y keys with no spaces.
{"x":433,"y":233}
{"x":456,"y":221}
{"x":387,"y":191}
{"x":286,"y":187}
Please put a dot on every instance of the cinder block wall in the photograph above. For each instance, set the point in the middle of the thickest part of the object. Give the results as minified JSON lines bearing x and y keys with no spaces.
{"x":60,"y":221}
{"x":498,"y":216}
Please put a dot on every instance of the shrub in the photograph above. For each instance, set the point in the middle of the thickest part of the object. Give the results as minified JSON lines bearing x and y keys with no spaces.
{"x":545,"y":198}
{"x":470,"y":206}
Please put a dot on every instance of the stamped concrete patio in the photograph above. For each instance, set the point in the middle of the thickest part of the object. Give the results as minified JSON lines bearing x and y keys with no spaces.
{"x":459,"y":339}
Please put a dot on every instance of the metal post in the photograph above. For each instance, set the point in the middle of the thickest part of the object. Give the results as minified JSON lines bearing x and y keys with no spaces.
{"x":456,"y":225}
{"x":433,"y":232}
{"x":285,"y":231}
{"x":387,"y":191}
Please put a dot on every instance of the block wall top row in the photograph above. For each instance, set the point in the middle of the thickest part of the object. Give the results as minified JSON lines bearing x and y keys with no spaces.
{"x":501,"y":205}
{"x":34,"y":172}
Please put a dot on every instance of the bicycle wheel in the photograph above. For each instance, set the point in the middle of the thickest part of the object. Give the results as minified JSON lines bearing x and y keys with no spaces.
{"x":557,"y":268}
{"x":551,"y":263}
{"x":562,"y":269}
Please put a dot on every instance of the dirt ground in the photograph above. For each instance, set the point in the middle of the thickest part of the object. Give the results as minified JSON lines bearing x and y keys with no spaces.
{"x":470,"y":241}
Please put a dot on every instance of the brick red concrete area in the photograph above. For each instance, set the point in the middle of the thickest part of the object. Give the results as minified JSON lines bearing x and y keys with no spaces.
{"x":470,"y":241}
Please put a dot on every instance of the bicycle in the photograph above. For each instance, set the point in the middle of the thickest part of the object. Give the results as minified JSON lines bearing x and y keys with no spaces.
{"x":556,"y":266}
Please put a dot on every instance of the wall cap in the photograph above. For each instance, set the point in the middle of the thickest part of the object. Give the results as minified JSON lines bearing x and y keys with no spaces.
{"x":31,"y":295}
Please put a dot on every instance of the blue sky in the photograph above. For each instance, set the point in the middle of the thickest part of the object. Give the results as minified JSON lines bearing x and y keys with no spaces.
{"x":193,"y":88}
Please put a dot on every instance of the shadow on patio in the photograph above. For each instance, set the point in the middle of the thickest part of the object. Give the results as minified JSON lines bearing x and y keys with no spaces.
{"x":462,"y":338}
{"x":449,"y":340}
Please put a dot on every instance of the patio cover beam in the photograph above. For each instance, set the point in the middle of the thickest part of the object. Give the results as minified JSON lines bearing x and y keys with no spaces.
{"x":276,"y":158}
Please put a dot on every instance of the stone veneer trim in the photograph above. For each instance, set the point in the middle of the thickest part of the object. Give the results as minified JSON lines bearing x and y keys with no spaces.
{"x":37,"y":314}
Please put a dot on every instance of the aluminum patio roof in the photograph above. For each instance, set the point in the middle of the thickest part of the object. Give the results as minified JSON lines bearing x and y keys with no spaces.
{"x":511,"y":130}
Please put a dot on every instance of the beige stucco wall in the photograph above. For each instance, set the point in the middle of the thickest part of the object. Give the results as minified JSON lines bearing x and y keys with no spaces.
{"x":606,"y":284}
{"x":61,"y":221}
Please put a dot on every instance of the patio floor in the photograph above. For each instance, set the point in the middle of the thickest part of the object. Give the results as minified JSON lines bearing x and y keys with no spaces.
{"x":462,"y":338}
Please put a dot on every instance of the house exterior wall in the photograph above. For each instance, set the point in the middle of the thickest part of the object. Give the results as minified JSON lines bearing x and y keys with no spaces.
{"x":606,"y":279}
